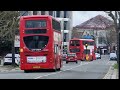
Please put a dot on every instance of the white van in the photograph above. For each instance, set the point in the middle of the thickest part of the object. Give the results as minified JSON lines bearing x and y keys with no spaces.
{"x":8,"y":59}
{"x":113,"y":56}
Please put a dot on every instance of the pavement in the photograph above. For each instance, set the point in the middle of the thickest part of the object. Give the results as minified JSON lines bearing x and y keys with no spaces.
{"x":8,"y":68}
{"x":112,"y":73}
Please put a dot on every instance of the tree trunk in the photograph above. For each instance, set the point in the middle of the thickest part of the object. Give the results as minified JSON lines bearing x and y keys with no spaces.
{"x":13,"y":48}
{"x":118,"y":48}
{"x":13,"y":53}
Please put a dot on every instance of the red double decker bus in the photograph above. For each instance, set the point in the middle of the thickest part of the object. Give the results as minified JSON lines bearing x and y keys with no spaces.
{"x":78,"y":46}
{"x":40,"y":43}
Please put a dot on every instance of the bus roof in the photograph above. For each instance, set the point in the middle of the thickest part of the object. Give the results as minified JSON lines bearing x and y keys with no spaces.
{"x":37,"y":16}
{"x":29,"y":16}
{"x":87,"y":39}
{"x":82,"y":39}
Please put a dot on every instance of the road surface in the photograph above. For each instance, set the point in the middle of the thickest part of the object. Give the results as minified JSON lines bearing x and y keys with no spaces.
{"x":96,"y":69}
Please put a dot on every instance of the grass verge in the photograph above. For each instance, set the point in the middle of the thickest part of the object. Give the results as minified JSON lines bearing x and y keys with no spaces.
{"x":115,"y":66}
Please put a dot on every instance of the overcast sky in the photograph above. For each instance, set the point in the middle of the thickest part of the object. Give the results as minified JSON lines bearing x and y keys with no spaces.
{"x":82,"y":16}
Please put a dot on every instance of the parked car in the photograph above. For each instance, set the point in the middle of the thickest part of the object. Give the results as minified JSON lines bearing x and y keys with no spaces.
{"x":71,"y":57}
{"x":8,"y":59}
{"x":98,"y":56}
{"x":113,"y":56}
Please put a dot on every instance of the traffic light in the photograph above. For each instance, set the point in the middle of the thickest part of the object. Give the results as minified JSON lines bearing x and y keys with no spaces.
{"x":86,"y":45}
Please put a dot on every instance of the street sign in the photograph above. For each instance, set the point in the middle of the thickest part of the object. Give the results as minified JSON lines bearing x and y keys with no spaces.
{"x":17,"y":41}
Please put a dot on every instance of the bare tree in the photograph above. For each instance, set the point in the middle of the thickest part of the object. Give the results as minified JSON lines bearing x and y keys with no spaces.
{"x":111,"y":37}
{"x":8,"y":26}
{"x":115,"y":15}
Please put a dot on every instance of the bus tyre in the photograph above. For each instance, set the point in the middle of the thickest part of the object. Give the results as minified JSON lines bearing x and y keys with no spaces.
{"x":66,"y":62}
{"x":76,"y":61}
{"x":54,"y":70}
{"x":26,"y":71}
{"x":92,"y":59}
{"x":58,"y":69}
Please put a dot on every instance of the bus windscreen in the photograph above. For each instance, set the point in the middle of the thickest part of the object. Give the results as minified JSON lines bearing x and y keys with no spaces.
{"x":74,"y":43}
{"x":36,"y":42}
{"x":88,"y":42}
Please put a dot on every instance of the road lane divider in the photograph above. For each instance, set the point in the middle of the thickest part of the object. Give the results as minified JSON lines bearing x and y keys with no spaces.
{"x":61,"y":71}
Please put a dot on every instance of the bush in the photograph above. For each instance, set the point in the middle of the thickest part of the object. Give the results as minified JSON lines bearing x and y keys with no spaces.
{"x":115,"y":66}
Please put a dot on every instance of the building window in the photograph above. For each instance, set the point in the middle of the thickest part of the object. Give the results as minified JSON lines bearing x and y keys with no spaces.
{"x":65,"y":37}
{"x":56,"y":25}
{"x":42,"y":12}
{"x":51,"y":13}
{"x":34,"y":12}
{"x":65,"y":14}
{"x":23,"y":13}
{"x":54,"y":13}
{"x":100,"y":40}
{"x":65,"y":25}
{"x":57,"y":13}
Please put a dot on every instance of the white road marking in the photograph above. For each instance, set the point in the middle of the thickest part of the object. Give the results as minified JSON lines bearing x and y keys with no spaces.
{"x":107,"y":74}
{"x":61,"y":71}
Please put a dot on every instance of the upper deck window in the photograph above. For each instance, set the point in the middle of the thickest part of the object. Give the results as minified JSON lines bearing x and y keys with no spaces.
{"x":56,"y":25}
{"x":74,"y":43}
{"x":35,"y":24}
{"x":88,"y":42}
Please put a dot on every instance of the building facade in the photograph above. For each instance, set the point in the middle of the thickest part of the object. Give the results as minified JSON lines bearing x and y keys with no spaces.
{"x":101,"y":29}
{"x":65,"y":17}
{"x":100,"y":37}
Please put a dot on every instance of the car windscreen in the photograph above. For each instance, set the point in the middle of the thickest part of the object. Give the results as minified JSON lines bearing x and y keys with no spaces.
{"x":36,"y":42}
{"x":10,"y":56}
{"x":113,"y":55}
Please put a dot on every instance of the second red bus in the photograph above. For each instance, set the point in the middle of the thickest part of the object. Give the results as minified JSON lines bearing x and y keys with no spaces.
{"x":78,"y":46}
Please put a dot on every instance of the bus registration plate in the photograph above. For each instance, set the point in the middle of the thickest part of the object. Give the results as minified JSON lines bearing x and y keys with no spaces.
{"x":37,"y":59}
{"x":36,"y":66}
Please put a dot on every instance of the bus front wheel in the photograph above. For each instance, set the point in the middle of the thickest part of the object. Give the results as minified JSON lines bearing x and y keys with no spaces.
{"x":66,"y":62}
{"x":76,"y":61}
{"x":26,"y":71}
{"x":92,"y":59}
{"x":58,"y":69}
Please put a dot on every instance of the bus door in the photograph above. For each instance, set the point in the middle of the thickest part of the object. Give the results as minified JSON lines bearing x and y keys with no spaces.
{"x":56,"y":52}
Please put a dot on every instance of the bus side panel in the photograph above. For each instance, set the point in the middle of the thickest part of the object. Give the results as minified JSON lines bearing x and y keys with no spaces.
{"x":57,"y":49}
